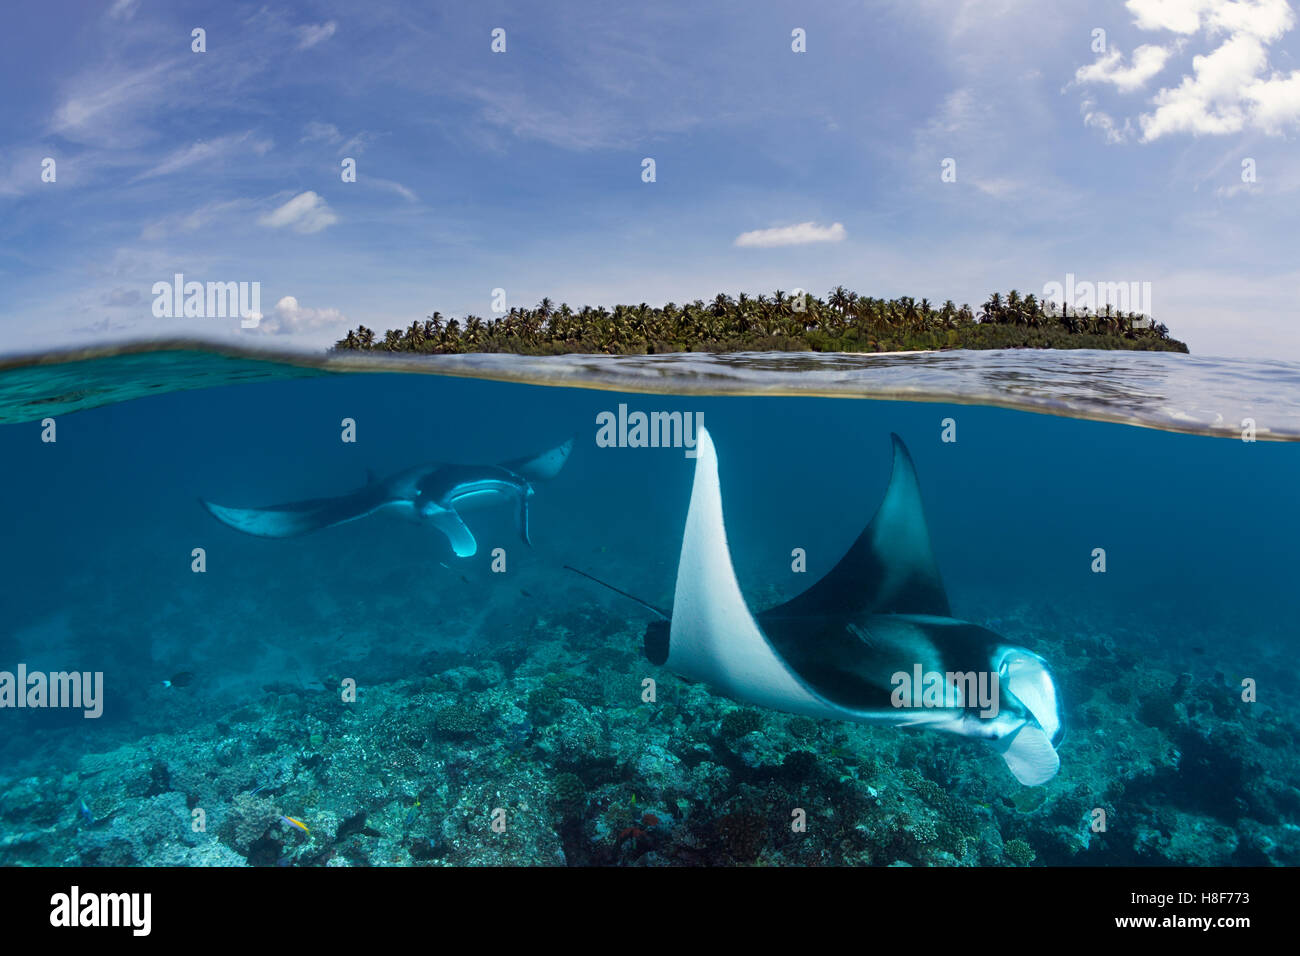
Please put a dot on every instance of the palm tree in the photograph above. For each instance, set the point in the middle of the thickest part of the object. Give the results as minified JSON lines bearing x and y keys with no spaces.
{"x":844,"y":320}
{"x":840,"y":299}
{"x":992,"y":309}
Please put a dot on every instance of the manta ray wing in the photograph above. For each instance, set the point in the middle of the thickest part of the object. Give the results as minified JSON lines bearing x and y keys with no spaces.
{"x":890,"y":568}
{"x":713,"y":636}
{"x":301,"y":517}
{"x":542,"y":466}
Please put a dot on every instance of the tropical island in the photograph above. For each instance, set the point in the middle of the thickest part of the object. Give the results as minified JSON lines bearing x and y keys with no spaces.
{"x":842,"y":322}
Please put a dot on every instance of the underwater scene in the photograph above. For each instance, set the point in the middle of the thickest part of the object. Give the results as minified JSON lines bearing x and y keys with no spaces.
{"x":273,"y":614}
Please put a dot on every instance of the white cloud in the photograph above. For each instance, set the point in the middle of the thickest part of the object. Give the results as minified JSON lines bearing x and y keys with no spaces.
{"x":1100,"y":119}
{"x":798,"y":235}
{"x":196,"y":219}
{"x":1148,"y":60}
{"x":1266,"y":19}
{"x":305,"y":213}
{"x":123,"y":9}
{"x":356,"y":145}
{"x":997,"y":188}
{"x":1230,"y":89}
{"x":1276,"y":102}
{"x":315,"y":132}
{"x":289,"y":317}
{"x":313,"y":33}
{"x":107,"y":108}
{"x":205,"y":150}
{"x":1213,"y":98}
{"x":1180,"y":16}
{"x":391,"y":186}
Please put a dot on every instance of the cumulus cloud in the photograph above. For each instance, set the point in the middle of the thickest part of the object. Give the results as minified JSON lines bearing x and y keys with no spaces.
{"x":289,"y":317}
{"x":1230,"y":89}
{"x":797,"y":235}
{"x":1148,"y":60}
{"x":305,"y":213}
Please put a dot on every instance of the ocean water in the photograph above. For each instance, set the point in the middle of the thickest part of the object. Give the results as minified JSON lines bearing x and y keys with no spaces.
{"x":500,"y":715}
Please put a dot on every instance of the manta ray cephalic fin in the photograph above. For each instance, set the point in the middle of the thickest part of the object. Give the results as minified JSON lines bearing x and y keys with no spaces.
{"x":457,"y":532}
{"x":521,"y":519}
{"x":1029,"y":754}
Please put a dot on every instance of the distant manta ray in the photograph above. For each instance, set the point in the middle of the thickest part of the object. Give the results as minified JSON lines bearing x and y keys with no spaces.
{"x":837,"y":649}
{"x":435,"y":494}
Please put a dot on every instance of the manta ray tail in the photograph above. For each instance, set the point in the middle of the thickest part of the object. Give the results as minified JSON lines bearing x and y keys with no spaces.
{"x":542,"y":466}
{"x":297,"y":517}
{"x":663,"y":615}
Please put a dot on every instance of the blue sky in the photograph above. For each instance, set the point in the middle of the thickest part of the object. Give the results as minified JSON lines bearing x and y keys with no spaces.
{"x":522,"y":170}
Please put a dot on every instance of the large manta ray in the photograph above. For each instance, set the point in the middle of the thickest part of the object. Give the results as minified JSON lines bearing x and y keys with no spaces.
{"x":436,"y":494}
{"x":838,"y":649}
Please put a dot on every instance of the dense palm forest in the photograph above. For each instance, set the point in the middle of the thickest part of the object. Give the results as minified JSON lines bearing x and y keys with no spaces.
{"x":842,"y":322}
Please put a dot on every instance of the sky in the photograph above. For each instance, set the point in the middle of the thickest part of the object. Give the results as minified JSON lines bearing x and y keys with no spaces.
{"x":933,"y":148}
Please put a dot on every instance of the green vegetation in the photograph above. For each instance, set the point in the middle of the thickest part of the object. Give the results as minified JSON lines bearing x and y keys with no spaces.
{"x":842,"y":322}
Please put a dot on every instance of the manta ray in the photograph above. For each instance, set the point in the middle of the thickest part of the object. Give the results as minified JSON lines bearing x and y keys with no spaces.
{"x":435,"y":494}
{"x":843,"y":648}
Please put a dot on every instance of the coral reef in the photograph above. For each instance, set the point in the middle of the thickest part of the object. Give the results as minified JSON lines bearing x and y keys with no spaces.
{"x":544,"y":752}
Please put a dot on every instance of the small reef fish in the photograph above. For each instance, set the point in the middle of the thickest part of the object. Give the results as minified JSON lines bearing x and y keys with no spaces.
{"x":295,"y":823}
{"x":86,"y":816}
{"x":412,"y":813}
{"x":183,"y":679}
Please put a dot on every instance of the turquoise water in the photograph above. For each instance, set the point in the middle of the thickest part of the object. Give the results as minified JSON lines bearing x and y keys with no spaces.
{"x":521,"y":690}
